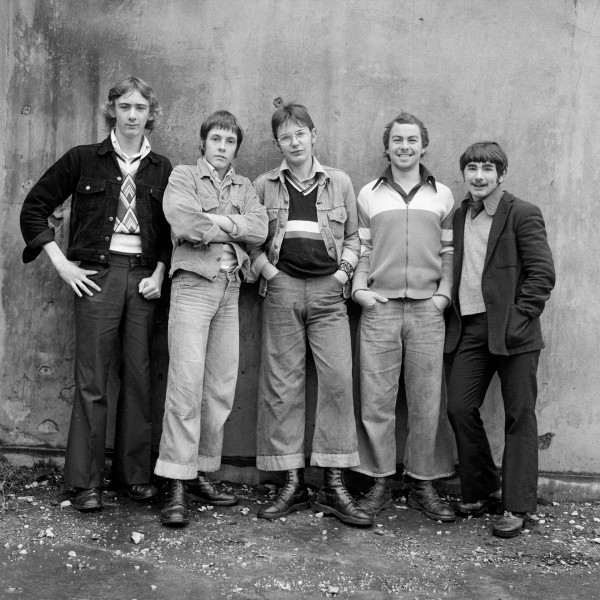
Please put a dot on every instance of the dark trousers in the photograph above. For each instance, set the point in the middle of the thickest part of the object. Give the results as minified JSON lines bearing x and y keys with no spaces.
{"x":118,"y":311}
{"x":472,"y":373}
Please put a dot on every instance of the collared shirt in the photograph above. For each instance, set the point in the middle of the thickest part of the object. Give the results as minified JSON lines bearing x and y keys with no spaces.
{"x":126,"y":237}
{"x":215,"y":173}
{"x":134,"y":158}
{"x":388,"y":177}
{"x":490,"y":202}
{"x":228,"y":258}
{"x":304,"y":185}
{"x":475,"y":240}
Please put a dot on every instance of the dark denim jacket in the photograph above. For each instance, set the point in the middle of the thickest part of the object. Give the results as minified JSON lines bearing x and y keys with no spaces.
{"x":91,"y":175}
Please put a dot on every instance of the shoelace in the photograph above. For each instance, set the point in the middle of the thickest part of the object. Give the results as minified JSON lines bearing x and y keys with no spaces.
{"x":372,"y":493}
{"x":288,"y":487}
{"x":177,"y":493}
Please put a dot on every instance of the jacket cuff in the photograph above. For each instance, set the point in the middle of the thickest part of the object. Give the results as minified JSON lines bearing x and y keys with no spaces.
{"x":208,"y":237}
{"x":349,"y":256}
{"x":242,"y":227}
{"x":33,"y":249}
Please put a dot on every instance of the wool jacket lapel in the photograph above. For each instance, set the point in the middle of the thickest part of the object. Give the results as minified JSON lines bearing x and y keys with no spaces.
{"x":498,"y":225}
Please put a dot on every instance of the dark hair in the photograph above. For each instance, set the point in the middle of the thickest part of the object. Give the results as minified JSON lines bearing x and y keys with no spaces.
{"x":125,"y":87}
{"x":485,"y":152}
{"x":404,"y":118}
{"x":221,"y":119}
{"x":291,"y":112}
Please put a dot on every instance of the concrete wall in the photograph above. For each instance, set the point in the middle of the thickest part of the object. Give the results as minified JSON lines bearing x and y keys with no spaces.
{"x":523,"y":73}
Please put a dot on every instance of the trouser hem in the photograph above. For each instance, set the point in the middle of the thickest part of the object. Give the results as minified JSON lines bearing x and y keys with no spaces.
{"x":171,"y":470}
{"x":209,"y":464}
{"x":281,"y":463}
{"x":428,"y":477}
{"x":140,"y":477}
{"x":364,"y":471}
{"x":341,"y":461}
{"x":83,"y":480}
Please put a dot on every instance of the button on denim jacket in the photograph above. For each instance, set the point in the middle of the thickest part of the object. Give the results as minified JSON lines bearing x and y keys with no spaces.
{"x":336,"y":216}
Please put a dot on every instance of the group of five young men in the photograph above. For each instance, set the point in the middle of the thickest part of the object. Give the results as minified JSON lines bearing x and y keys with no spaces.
{"x":400,"y":250}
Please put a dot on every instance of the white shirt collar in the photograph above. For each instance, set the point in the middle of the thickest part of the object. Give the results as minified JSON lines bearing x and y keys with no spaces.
{"x":144,"y":150}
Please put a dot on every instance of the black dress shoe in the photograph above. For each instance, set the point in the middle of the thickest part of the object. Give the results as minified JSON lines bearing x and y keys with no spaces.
{"x":491,"y":505}
{"x":175,"y":511}
{"x":425,"y":498}
{"x":140,"y":491}
{"x":88,"y":499}
{"x":203,"y":489}
{"x":293,"y":496}
{"x":509,"y":524}
{"x":334,"y":499}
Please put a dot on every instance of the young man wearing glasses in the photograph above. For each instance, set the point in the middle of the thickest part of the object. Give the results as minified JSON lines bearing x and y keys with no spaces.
{"x":305,"y":264}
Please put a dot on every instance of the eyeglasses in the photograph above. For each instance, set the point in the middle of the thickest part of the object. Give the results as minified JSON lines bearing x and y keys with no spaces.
{"x":301,"y":135}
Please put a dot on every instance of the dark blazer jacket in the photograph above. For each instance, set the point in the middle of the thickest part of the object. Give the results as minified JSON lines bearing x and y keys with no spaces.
{"x":518,"y":276}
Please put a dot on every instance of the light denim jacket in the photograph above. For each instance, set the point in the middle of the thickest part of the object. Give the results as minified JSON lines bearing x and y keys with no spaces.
{"x":336,"y":216}
{"x":191,"y":194}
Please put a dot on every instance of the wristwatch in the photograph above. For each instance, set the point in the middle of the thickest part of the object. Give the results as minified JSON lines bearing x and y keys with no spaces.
{"x":347,"y":268}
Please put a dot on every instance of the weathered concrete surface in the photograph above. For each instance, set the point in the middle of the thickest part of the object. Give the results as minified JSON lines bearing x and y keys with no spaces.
{"x":49,"y":552}
{"x":523,"y":73}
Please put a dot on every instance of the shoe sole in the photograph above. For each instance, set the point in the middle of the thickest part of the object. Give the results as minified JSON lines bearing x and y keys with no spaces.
{"x":344,"y":518}
{"x":428,"y":513}
{"x":493,"y":508}
{"x":140,"y":498}
{"x":388,"y":504}
{"x":178,"y":523}
{"x":199,"y":500}
{"x":89,"y":509}
{"x":507,"y":534}
{"x":285,"y":513}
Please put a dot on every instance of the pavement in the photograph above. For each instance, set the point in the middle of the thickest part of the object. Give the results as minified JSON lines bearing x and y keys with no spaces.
{"x":50,"y":551}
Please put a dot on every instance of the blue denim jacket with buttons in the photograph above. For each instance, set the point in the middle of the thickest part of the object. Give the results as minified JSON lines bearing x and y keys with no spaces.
{"x":91,"y":176}
{"x":336,"y":216}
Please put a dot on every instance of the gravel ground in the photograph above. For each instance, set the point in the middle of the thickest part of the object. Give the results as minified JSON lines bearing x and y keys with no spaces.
{"x":48,"y":550}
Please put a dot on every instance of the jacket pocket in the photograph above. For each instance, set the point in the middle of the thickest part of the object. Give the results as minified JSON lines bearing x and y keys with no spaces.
{"x":337,"y":218}
{"x":89,"y":196}
{"x":156,"y":194}
{"x":506,"y":254}
{"x":520,"y":328}
{"x":273,"y":214}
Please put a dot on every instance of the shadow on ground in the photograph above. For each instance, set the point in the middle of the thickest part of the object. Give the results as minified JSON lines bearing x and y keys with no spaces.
{"x":49,"y":551}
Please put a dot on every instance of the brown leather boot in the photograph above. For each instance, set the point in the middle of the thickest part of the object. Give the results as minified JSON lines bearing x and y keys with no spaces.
{"x":377,"y":498}
{"x":292,"y":496}
{"x":334,"y":499}
{"x":175,"y":511}
{"x":203,"y":489}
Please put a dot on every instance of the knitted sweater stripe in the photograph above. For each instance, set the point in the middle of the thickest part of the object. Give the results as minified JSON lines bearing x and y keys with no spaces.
{"x":406,"y":250}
